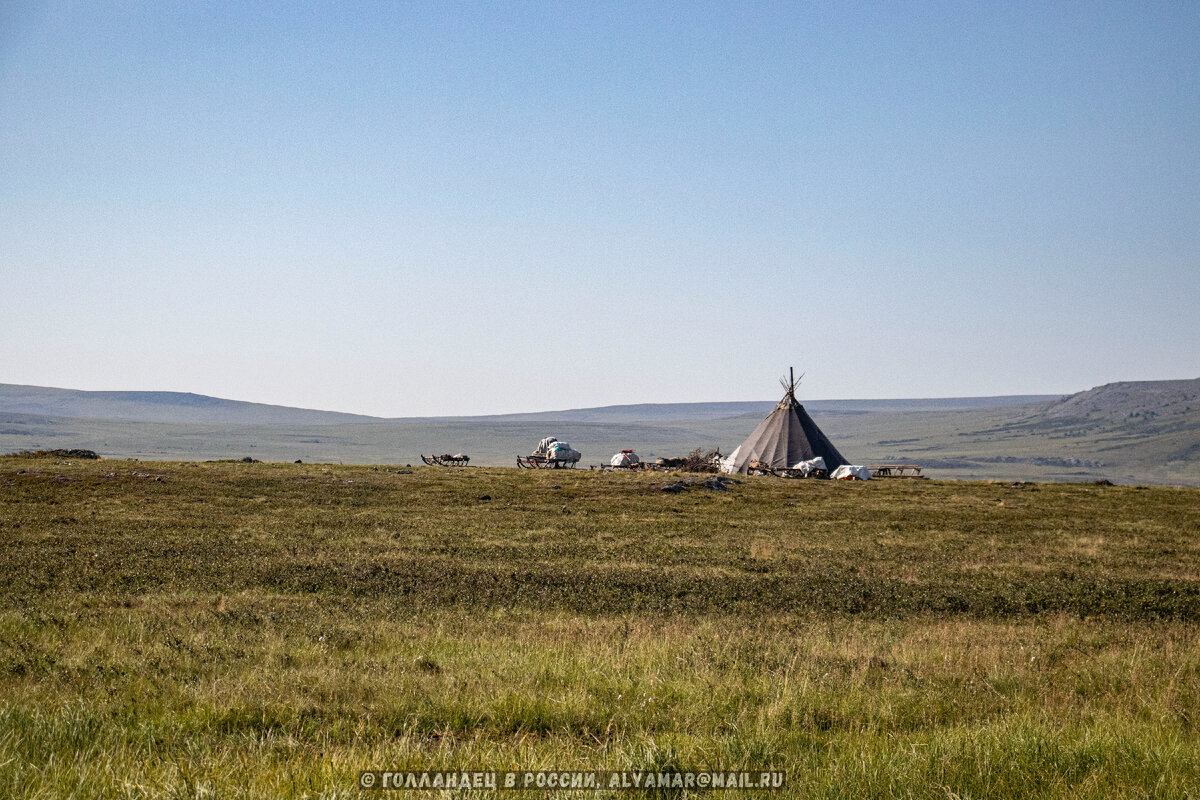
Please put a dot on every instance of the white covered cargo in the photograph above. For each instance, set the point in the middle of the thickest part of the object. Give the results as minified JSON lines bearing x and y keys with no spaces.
{"x":851,"y":472}
{"x":561,"y":451}
{"x":810,"y":466}
{"x":625,"y":458}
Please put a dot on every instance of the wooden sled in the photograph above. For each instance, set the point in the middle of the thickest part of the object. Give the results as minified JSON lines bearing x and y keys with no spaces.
{"x":896,"y":471}
{"x":542,"y":462}
{"x":447,"y":460}
{"x":641,"y":466}
{"x":767,"y":469}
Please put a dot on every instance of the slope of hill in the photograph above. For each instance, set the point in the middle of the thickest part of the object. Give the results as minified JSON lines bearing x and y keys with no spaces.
{"x":188,"y":407}
{"x":1145,"y":400}
{"x":1133,"y":432}
{"x":158,"y":407}
{"x":1144,"y":423}
{"x":687,"y":412}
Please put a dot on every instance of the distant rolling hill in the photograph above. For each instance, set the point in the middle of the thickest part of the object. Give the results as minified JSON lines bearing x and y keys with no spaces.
{"x":158,"y":407}
{"x":1146,"y":432}
{"x":187,"y":407}
{"x":689,"y":412}
{"x":1145,"y":423}
{"x":1142,"y":400}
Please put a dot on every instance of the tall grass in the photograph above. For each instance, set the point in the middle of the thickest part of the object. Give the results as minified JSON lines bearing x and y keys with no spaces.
{"x":264,"y":630}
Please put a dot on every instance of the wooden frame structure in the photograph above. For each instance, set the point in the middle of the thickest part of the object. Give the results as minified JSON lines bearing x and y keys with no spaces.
{"x":545,"y":462}
{"x":896,"y":471}
{"x":767,"y":469}
{"x":447,"y":460}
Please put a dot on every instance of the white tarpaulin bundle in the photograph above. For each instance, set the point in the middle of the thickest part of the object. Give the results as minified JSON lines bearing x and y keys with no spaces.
{"x":625,"y":458}
{"x":850,"y":472}
{"x":729,"y":464}
{"x":561,"y":451}
{"x":544,"y":446}
{"x":809,"y":467}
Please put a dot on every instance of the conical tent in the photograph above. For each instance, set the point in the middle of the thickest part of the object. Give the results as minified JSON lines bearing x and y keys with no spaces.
{"x":785,"y":438}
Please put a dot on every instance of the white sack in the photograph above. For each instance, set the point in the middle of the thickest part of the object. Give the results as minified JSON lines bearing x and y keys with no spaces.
{"x":624,"y":459}
{"x":851,"y":472}
{"x":729,"y":463}
{"x":561,"y":451}
{"x":808,"y":467}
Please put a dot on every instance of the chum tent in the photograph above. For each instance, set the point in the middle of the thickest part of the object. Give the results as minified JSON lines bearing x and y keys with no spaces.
{"x":785,"y":438}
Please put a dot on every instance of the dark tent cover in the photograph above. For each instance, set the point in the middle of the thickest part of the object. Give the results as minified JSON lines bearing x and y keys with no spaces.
{"x":786,"y":437}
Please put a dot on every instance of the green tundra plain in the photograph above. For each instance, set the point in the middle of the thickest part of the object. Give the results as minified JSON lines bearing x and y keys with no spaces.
{"x":227,"y":630}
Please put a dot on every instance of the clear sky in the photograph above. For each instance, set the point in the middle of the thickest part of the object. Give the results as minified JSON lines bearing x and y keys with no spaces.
{"x":461,"y":208}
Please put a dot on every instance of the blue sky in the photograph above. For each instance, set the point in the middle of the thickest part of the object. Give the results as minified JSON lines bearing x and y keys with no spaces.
{"x":457,"y":208}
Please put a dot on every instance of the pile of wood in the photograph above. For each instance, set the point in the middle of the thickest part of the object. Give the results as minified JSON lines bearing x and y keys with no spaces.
{"x":696,"y":461}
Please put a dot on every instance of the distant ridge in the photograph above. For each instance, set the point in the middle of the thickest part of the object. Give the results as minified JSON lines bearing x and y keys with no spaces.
{"x":686,"y":412}
{"x":149,"y":406}
{"x":159,"y":407}
{"x":1130,"y":400}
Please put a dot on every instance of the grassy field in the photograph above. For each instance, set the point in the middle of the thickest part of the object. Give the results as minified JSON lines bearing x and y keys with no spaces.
{"x":269,"y":630}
